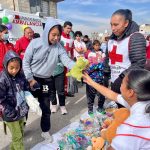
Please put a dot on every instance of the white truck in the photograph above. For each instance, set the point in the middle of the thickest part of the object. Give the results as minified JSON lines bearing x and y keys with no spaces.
{"x":20,"y":20}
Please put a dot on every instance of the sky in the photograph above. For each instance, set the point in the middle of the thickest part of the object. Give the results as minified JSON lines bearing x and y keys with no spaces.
{"x":91,"y":16}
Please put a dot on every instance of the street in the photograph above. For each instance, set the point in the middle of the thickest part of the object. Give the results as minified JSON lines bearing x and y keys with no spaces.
{"x":75,"y":105}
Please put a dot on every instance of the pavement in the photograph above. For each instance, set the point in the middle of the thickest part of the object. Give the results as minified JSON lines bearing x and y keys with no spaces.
{"x":75,"y":105}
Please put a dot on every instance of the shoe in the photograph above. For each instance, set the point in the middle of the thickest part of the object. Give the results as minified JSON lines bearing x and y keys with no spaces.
{"x":91,"y":113}
{"x":63,"y":110}
{"x":69,"y":94}
{"x":48,"y":138}
{"x":54,"y":108}
{"x":101,"y":110}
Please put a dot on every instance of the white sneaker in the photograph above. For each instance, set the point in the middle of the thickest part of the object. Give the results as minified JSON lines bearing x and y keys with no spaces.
{"x":54,"y":108}
{"x":63,"y":110}
{"x":48,"y":138}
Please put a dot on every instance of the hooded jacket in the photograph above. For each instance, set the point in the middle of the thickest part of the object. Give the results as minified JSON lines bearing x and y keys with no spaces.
{"x":41,"y":58}
{"x":8,"y":90}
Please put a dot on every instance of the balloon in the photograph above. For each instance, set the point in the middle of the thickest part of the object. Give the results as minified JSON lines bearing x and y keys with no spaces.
{"x":24,"y":26}
{"x":9,"y":26}
{"x":11,"y":18}
{"x":5,"y":20}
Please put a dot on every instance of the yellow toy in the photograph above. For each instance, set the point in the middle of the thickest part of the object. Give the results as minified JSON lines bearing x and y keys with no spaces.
{"x":76,"y":71}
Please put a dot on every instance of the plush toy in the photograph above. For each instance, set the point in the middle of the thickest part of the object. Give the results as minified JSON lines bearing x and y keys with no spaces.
{"x":97,"y":144}
{"x":76,"y":71}
{"x":120,"y":115}
{"x":107,"y":134}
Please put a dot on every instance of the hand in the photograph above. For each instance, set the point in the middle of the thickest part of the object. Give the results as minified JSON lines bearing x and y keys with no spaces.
{"x":32,"y":82}
{"x":87,"y":79}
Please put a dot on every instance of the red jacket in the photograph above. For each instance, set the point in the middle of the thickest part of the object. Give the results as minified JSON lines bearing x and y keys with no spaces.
{"x":4,"y":47}
{"x":21,"y":45}
{"x":148,"y":50}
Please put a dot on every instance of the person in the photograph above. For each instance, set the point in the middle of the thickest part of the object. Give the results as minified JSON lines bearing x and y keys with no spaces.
{"x":5,"y":45}
{"x":58,"y":79}
{"x":95,"y":70}
{"x":22,"y":43}
{"x":126,"y":47}
{"x":14,"y":106}
{"x":147,"y":65}
{"x":40,"y":60}
{"x":67,"y":41}
{"x":134,"y":133}
{"x":79,"y":45}
{"x":88,"y":43}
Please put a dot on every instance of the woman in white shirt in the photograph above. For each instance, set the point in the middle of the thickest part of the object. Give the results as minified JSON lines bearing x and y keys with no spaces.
{"x":79,"y":45}
{"x":134,"y":133}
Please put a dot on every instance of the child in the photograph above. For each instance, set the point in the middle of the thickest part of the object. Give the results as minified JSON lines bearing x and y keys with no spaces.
{"x":134,"y":133}
{"x":95,"y":71}
{"x":79,"y":45}
{"x":12,"y":100}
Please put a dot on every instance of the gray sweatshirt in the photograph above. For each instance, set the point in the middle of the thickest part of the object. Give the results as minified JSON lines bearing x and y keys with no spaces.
{"x":41,"y":58}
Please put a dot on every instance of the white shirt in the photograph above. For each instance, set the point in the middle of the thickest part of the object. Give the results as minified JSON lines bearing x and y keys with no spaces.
{"x":78,"y":44}
{"x":134,"y":133}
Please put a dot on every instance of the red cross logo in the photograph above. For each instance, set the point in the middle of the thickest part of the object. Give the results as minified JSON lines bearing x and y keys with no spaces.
{"x":114,"y":57}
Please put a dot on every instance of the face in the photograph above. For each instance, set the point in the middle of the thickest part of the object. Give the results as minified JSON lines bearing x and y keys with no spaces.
{"x":96,"y":47}
{"x":78,"y":38}
{"x":13,"y":68}
{"x":67,"y":29}
{"x":118,"y":24}
{"x":3,"y":33}
{"x":28,"y":33}
{"x":54,"y":35}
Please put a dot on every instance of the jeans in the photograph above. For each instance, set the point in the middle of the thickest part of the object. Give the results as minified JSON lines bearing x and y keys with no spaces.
{"x":91,"y":93}
{"x":58,"y":81}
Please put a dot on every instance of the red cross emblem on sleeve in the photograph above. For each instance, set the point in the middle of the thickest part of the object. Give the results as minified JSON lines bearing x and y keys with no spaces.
{"x":114,"y":57}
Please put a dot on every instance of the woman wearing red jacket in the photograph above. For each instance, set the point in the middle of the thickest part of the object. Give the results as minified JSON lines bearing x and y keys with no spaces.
{"x":5,"y":45}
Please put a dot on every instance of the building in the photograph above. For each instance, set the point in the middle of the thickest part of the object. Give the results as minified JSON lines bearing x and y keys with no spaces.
{"x":145,"y":29}
{"x":47,"y":7}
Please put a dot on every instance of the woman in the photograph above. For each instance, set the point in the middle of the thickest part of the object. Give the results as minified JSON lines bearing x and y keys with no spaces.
{"x":126,"y":47}
{"x":5,"y":45}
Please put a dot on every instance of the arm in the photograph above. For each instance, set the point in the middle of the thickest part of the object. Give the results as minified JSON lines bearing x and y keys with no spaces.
{"x":100,"y":88}
{"x":65,"y":58}
{"x":27,"y":62}
{"x":137,"y":51}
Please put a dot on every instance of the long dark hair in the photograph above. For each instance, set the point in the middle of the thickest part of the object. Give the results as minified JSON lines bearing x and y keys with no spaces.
{"x":124,"y":12}
{"x":139,"y":81}
{"x":2,"y":28}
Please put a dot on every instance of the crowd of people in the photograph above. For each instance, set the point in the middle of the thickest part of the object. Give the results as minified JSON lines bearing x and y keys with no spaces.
{"x":39,"y":64}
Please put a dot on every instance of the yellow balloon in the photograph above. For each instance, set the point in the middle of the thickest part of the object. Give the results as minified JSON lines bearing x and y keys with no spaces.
{"x":24,"y":26}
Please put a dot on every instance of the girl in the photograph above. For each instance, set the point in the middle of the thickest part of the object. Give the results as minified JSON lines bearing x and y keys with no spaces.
{"x":95,"y":71}
{"x":12,"y":100}
{"x":134,"y":133}
{"x":79,"y":45}
{"x":40,"y":60}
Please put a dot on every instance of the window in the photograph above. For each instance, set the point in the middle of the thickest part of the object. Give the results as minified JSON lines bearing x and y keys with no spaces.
{"x":35,"y":6}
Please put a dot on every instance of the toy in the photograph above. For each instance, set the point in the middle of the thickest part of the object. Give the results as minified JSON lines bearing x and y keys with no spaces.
{"x":97,"y":143}
{"x":76,"y":71}
{"x":120,"y":115}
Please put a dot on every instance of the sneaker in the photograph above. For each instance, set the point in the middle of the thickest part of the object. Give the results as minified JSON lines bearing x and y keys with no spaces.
{"x":69,"y":94}
{"x":48,"y":138}
{"x":54,"y":108}
{"x":63,"y":110}
{"x":91,"y":113}
{"x":101,"y":110}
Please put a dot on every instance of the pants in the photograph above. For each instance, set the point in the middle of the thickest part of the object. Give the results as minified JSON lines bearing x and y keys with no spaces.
{"x":91,"y":93}
{"x":59,"y":87}
{"x":16,"y":129}
{"x":44,"y":96}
